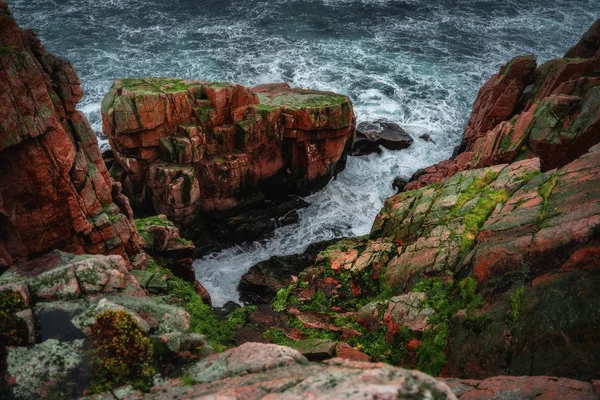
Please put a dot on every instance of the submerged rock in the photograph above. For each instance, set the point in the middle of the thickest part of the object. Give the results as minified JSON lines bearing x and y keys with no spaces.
{"x":371,"y":135}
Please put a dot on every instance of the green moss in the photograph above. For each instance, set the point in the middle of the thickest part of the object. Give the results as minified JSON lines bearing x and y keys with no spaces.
{"x":319,"y":303}
{"x":120,"y":352}
{"x":188,"y":380}
{"x":545,"y":190}
{"x":374,"y":344}
{"x":277,"y":336}
{"x":474,"y":189}
{"x":515,"y":304}
{"x":142,"y":225}
{"x":184,"y":241}
{"x":280,"y":302}
{"x":476,"y":217}
{"x":220,"y":334}
{"x":13,"y":330}
{"x":431,"y":355}
{"x":265,"y":108}
{"x":302,"y":99}
{"x":8,"y":50}
{"x":446,"y":298}
{"x":528,"y":176}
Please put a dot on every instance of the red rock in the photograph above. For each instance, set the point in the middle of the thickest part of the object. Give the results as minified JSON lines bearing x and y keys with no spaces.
{"x":56,"y":190}
{"x":413,"y":344}
{"x":589,"y":45}
{"x":344,"y":350}
{"x":203,"y":293}
{"x":521,"y":387}
{"x":497,"y":99}
{"x":199,"y":146}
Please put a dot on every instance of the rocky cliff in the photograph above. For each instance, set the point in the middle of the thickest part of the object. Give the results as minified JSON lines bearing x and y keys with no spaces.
{"x":55,"y":191}
{"x":192,"y":147}
{"x":549,"y":112}
{"x":487,"y":264}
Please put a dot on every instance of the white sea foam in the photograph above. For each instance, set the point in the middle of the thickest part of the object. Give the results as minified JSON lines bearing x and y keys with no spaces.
{"x":417,"y":62}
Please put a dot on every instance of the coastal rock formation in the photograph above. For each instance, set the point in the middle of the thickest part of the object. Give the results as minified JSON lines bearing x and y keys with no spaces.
{"x":192,"y":147}
{"x":551,"y":112}
{"x":257,"y":371}
{"x":487,"y":265}
{"x":491,"y":272}
{"x":55,"y":191}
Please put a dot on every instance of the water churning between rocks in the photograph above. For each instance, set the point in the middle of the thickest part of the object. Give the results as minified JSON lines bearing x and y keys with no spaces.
{"x":415,"y":62}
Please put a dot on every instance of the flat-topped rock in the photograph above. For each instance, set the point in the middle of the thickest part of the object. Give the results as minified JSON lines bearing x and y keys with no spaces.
{"x":184,"y":148}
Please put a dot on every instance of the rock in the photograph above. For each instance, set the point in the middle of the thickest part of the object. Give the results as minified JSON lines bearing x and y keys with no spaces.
{"x":227,"y":309}
{"x":256,"y":370}
{"x":407,"y":310}
{"x":252,"y":221}
{"x":213,"y":145}
{"x":161,"y":238}
{"x":521,"y":388}
{"x":56,"y":192}
{"x":262,"y":282}
{"x":44,"y":368}
{"x":498,"y":98}
{"x":345,"y":351}
{"x":64,"y":276}
{"x":88,"y":317}
{"x":150,"y":314}
{"x":589,"y":45}
{"x":399,"y":183}
{"x":426,"y":138}
{"x":316,"y":349}
{"x":371,"y":135}
{"x":203,"y":293}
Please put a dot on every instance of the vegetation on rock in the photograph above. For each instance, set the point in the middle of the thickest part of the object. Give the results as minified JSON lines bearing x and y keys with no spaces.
{"x":121,"y":353}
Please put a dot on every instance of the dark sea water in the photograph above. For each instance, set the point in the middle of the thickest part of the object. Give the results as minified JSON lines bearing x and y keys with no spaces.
{"x":417,"y":62}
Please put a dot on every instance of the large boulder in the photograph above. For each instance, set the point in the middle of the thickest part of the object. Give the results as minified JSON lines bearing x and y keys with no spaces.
{"x":56,"y":190}
{"x":371,"y":135}
{"x":551,"y":112}
{"x":193,"y":147}
{"x":255,"y":371}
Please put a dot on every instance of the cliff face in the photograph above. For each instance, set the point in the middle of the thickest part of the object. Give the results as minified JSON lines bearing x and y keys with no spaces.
{"x":55,"y":191}
{"x":487,"y":264}
{"x":190,"y":147}
{"x":551,"y":112}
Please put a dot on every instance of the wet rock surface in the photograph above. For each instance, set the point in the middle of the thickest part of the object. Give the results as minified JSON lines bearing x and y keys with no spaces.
{"x":262,"y":282}
{"x":371,"y":135}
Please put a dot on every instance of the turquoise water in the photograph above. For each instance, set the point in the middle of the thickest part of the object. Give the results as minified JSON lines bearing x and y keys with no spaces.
{"x":417,"y":62}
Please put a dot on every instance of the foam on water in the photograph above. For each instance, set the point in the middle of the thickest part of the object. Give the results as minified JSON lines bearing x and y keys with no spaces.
{"x":417,"y":62}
